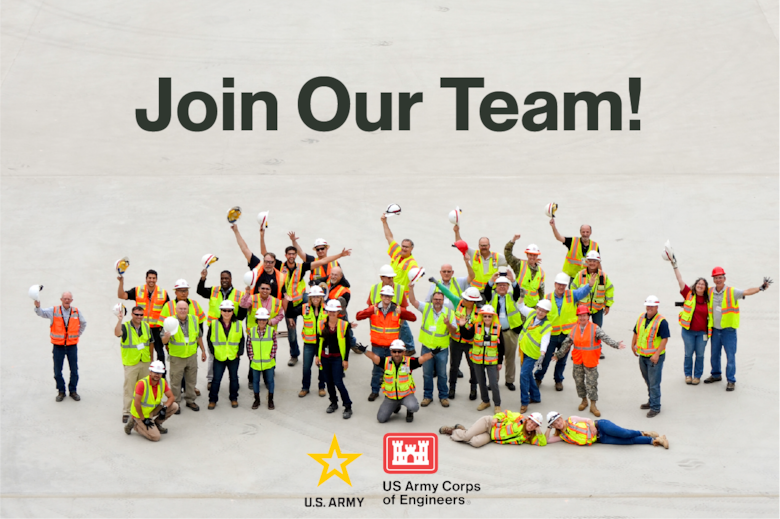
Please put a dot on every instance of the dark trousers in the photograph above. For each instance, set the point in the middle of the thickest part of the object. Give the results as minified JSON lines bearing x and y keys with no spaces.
{"x":555,"y":344}
{"x":59,"y":353}
{"x":378,"y":371}
{"x":159,"y":348}
{"x":219,"y":370}
{"x":334,"y":378}
{"x":457,"y":351}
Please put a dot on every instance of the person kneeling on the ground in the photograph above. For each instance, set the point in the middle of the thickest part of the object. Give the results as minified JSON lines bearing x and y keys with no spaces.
{"x":147,"y":409}
{"x":503,"y":427}
{"x":398,"y":382}
{"x":584,"y":431}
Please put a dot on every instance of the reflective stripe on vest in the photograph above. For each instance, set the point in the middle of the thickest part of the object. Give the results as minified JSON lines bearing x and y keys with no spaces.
{"x":597,"y":297}
{"x":586,"y":348}
{"x":261,"y":348}
{"x":564,"y":321}
{"x":149,"y":401}
{"x":460,"y":312}
{"x":574,"y":262}
{"x":648,"y":342}
{"x":258,"y":270}
{"x":257,"y":304}
{"x":310,"y":323}
{"x":337,"y":291}
{"x":216,"y":299}
{"x":322,"y":271}
{"x":169,"y":310}
{"x":293,"y":284}
{"x":225,"y":347}
{"x":151,"y":311}
{"x":385,"y":328}
{"x":397,"y":383}
{"x":481,"y":353}
{"x":531,"y":282}
{"x":453,"y":287}
{"x":341,"y":335}
{"x":131,"y":354}
{"x":59,"y":335}
{"x":512,"y":313}
{"x":398,"y":294}
{"x":530,"y":339}
{"x":729,"y":309}
{"x":181,"y":346}
{"x":439,"y":337}
{"x":689,"y":306}
{"x":480,"y":277}
{"x":577,"y":433}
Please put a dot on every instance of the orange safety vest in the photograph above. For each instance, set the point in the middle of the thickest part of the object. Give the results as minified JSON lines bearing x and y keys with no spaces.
{"x":322,"y":271}
{"x":481,"y":353}
{"x":385,"y":329}
{"x":59,"y":335}
{"x":586,"y":349}
{"x":279,"y":281}
{"x":151,"y":311}
{"x":337,"y":291}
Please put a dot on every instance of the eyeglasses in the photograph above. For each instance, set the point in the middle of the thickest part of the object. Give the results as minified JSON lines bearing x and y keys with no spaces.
{"x":446,"y":271}
{"x":269,"y":262}
{"x":138,"y":315}
{"x":319,"y":249}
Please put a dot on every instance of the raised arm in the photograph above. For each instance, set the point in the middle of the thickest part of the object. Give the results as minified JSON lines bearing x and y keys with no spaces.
{"x":263,"y":250}
{"x":555,"y":231}
{"x":376,"y":359}
{"x":456,"y":228}
{"x":325,"y":261}
{"x":412,"y":299}
{"x":678,"y":275}
{"x":118,"y":327}
{"x":511,"y":260}
{"x":760,"y":288}
{"x":120,"y":292}
{"x":469,"y":269}
{"x":241,"y":243}
{"x":388,"y":232}
{"x":294,"y":240}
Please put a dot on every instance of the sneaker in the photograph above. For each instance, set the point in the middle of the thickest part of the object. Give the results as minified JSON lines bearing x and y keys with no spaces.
{"x":347,"y":413}
{"x":661,"y":442}
{"x":322,"y":392}
{"x":645,"y":406}
{"x":60,"y":397}
{"x":332,"y":408}
{"x":371,"y":397}
{"x":511,"y":386}
{"x":473,"y":394}
{"x":652,"y":412}
{"x":129,"y":426}
{"x":75,"y":396}
{"x":293,"y":361}
{"x":696,"y":381}
{"x":730,"y":386}
{"x":445,"y":403}
{"x":689,"y":380}
{"x":712,"y":379}
{"x":425,"y":402}
{"x":451,"y":394}
{"x":483,"y":405}
{"x":303,"y":393}
{"x":212,"y":405}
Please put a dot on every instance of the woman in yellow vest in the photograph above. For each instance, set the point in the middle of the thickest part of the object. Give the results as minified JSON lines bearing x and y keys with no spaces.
{"x":261,"y":349}
{"x":505,"y":427}
{"x":226,"y":344}
{"x":486,"y":353}
{"x":696,"y":322}
{"x":577,"y":430}
{"x":333,"y":356}
{"x":313,"y":313}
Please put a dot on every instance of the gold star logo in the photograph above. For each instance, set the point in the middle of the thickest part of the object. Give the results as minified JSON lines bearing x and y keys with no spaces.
{"x":334,"y":463}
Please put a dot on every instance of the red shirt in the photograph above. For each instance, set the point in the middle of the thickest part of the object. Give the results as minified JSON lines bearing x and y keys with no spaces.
{"x":140,"y":387}
{"x":699,"y":318}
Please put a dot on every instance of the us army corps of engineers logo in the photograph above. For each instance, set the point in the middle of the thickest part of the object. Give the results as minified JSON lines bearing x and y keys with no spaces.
{"x":410,"y":453}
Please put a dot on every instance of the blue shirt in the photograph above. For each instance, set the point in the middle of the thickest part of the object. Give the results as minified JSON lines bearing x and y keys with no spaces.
{"x":576,"y":294}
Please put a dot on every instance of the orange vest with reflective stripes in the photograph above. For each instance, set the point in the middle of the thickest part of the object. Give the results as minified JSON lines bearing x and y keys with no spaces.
{"x":322,"y":271}
{"x":279,"y":282}
{"x":481,"y":353}
{"x":311,"y":322}
{"x":398,"y":383}
{"x":337,"y":291}
{"x":385,"y":328}
{"x":574,"y":261}
{"x":61,"y":336}
{"x":648,"y":342}
{"x":689,"y":306}
{"x":586,"y":348}
{"x":151,"y":311}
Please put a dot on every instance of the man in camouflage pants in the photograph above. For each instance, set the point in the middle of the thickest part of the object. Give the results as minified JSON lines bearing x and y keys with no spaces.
{"x":586,"y":337}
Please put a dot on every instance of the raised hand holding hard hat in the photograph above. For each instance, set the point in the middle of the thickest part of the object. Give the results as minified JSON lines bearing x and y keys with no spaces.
{"x":234,"y":213}
{"x":415,"y":274}
{"x":35,"y":293}
{"x":119,"y":310}
{"x":171,"y":325}
{"x":462,"y":246}
{"x":262,"y":219}
{"x":550,"y":209}
{"x":250,"y":278}
{"x":393,"y":210}
{"x":668,"y":254}
{"x":121,"y":265}
{"x":208,"y":260}
{"x":454,"y":215}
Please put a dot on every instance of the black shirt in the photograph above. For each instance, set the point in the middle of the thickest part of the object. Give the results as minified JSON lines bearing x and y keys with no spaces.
{"x":271,"y":278}
{"x":131,"y":294}
{"x":124,"y":330}
{"x":583,"y":247}
{"x":204,"y":291}
{"x":330,"y":343}
{"x":343,"y":282}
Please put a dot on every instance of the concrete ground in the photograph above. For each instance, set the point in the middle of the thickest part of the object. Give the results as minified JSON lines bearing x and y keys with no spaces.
{"x":82,"y":186}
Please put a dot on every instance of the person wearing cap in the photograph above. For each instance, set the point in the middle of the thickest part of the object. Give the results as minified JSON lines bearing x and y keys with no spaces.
{"x":533,"y":343}
{"x":250,"y":304}
{"x":385,"y":317}
{"x":438,"y":322}
{"x":578,"y":248}
{"x":321,"y":250}
{"x":651,"y":333}
{"x":505,"y":427}
{"x":486,"y":353}
{"x":530,"y":275}
{"x":333,"y":356}
{"x":261,"y":350}
{"x":313,"y":314}
{"x":586,"y":339}
{"x":505,"y":305}
{"x":148,"y":411}
{"x":562,"y":316}
{"x":577,"y":430}
{"x":137,"y":353}
{"x":401,"y":261}
{"x":226,"y":344}
{"x":151,"y":298}
{"x":398,"y":381}
{"x":182,"y":347}
{"x":724,"y":305}
{"x":483,"y":261}
{"x":66,"y":324}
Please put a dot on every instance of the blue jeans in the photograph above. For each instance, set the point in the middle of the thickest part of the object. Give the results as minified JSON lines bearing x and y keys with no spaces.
{"x":219,"y":370}
{"x":309,"y":352}
{"x":555,"y":344}
{"x":378,"y":371}
{"x":612,"y":434}
{"x":437,"y":365}
{"x":727,"y":339}
{"x":268,"y":378}
{"x":598,"y":318}
{"x":405,"y":334}
{"x":527,"y":384}
{"x":59,"y":353}
{"x":334,"y":376}
{"x":652,"y":375}
{"x":694,"y":342}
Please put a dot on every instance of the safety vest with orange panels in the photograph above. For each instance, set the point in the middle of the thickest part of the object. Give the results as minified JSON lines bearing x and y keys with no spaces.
{"x":586,"y":348}
{"x":152,"y":306}
{"x":60,"y":335}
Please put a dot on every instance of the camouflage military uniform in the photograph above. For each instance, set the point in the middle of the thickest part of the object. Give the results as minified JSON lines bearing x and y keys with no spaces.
{"x":586,"y":379}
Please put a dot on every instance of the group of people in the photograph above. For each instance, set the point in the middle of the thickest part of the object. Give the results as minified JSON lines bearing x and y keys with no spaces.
{"x":500,"y":316}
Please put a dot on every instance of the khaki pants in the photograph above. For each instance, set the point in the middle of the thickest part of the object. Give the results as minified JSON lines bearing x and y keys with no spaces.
{"x":477,"y":435}
{"x":153,"y":433}
{"x":132,"y":375}
{"x":188,"y":368}
{"x":510,"y":347}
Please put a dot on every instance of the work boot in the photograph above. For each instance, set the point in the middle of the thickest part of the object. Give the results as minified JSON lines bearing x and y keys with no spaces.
{"x":689,"y":380}
{"x":696,"y":381}
{"x":594,"y":409}
{"x":371,"y":397}
{"x":303,"y":393}
{"x":661,"y":442}
{"x":473,"y":393}
{"x":445,"y":403}
{"x":347,"y":414}
{"x":583,"y":404}
{"x":559,"y":386}
{"x":483,"y":405}
{"x":60,"y":397}
{"x":271,"y":401}
{"x":234,"y":403}
{"x":650,"y":434}
{"x":249,"y":385}
{"x":129,"y":426}
{"x":446,"y":429}
{"x":729,"y":387}
{"x":256,"y":403}
{"x":460,"y":373}
{"x":451,"y":394}
{"x":511,"y":386}
{"x":523,"y":409}
{"x":645,"y":406}
{"x":193,"y":406}
{"x":293,"y":361}
{"x":125,"y":418}
{"x":497,"y":409}
{"x":212,"y":405}
{"x":209,"y":386}
{"x":322,"y":392}
{"x":712,"y":379}
{"x":538,"y":382}
{"x":332,"y":408}
{"x":425,"y":402}
{"x":652,"y":412}
{"x":409,"y":416}
{"x":197,"y":392}
{"x":163,"y":430}
{"x":75,"y":396}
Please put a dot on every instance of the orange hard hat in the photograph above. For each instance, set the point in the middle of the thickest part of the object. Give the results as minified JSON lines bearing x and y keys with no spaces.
{"x":718,"y":271}
{"x":582,"y":309}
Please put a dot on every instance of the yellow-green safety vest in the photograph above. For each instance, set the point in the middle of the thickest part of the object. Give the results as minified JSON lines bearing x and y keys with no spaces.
{"x":513,"y":315}
{"x":530,"y":281}
{"x":148,"y":400}
{"x":564,"y":322}
{"x":460,"y":312}
{"x":216,"y":299}
{"x":310,"y":323}
{"x":294,"y":285}
{"x":398,"y":298}
{"x":169,"y":310}
{"x":261,"y":348}
{"x":577,"y":433}
{"x":453,"y":287}
{"x":600,"y":295}
{"x":131,"y":353}
{"x":226,"y":347}
{"x":574,"y":262}
{"x":729,"y":313}
{"x":530,"y":340}
{"x":689,"y":306}
{"x":341,"y":335}
{"x":181,"y":346}
{"x":433,"y":332}
{"x":480,"y":277}
{"x":484,"y":349}
{"x":648,"y":342}
{"x":397,"y":383}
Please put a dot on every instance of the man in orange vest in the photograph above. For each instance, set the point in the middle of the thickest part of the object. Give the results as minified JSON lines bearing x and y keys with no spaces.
{"x":67,"y":325}
{"x":336,"y":287}
{"x":151,"y":298}
{"x":586,"y":337}
{"x":386,"y":319}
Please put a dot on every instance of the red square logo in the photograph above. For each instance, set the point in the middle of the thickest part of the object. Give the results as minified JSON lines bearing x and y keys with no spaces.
{"x":411,"y":453}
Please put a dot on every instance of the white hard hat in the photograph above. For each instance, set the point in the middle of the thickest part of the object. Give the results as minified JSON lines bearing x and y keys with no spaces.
{"x":487,"y":309}
{"x":552,"y":416}
{"x":454,"y":216}
{"x":181,"y":283}
{"x":316,"y":291}
{"x":386,"y":271}
{"x":668,"y":252}
{"x":536,"y":417}
{"x":393,"y":210}
{"x":387,"y":290}
{"x":532,"y":249}
{"x":544,"y":304}
{"x":157,"y":367}
{"x":319,"y":242}
{"x":262,"y":313}
{"x":652,"y":301}
{"x":227,"y":305}
{"x":262,"y":218}
{"x":562,"y":279}
{"x":250,"y":278}
{"x":503,"y":279}
{"x":471,"y":294}
{"x":398,"y":344}
{"x":171,"y":325}
{"x":416,"y":274}
{"x":122,"y":265}
{"x":550,"y":209}
{"x":234,"y":213}
{"x":208,"y":259}
{"x":35,"y":292}
{"x":333,"y":305}
{"x":119,"y":309}
{"x":593,"y":255}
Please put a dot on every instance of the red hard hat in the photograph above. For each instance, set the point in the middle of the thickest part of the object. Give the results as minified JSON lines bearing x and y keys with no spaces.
{"x":462,"y":246}
{"x":582,"y":309}
{"x":718,"y":271}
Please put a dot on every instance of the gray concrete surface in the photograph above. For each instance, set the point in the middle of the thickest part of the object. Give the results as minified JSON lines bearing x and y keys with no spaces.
{"x":82,"y":185}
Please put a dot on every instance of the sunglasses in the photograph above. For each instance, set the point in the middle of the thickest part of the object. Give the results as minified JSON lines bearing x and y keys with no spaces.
{"x":226,"y":310}
{"x":319,"y":249}
{"x":138,"y":315}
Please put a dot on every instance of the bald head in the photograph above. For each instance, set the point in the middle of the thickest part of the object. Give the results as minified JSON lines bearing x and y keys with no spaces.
{"x":446,"y":272}
{"x":335,"y":275}
{"x":66,"y":299}
{"x":182,"y":309}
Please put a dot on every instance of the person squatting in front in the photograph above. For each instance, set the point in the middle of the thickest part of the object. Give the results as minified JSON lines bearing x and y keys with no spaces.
{"x":148,"y":413}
